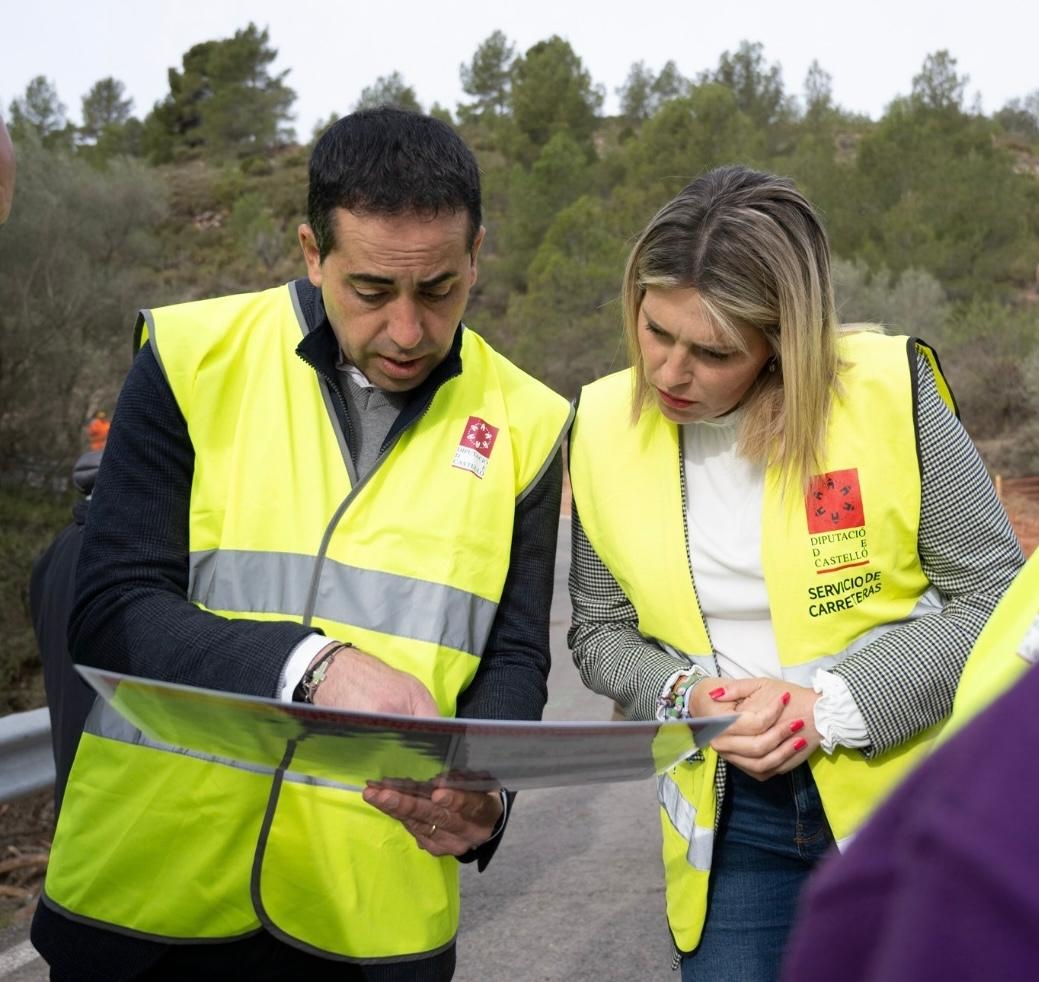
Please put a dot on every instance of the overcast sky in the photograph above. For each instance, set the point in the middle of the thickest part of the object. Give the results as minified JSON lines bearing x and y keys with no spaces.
{"x":871,"y":48}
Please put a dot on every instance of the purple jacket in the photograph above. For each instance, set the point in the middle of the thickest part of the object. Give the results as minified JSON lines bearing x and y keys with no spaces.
{"x":943,"y":882}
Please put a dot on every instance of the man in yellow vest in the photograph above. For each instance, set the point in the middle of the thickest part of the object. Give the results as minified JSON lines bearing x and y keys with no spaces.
{"x":332,"y":492}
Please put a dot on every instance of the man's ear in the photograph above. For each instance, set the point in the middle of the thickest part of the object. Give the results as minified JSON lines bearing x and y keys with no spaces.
{"x":474,"y":252}
{"x":311,"y":253}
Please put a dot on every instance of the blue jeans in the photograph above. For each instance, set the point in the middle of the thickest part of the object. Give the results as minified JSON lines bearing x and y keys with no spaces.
{"x":770,"y":836}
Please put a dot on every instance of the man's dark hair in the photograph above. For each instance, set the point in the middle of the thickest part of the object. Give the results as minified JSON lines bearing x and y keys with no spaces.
{"x":389,"y":161}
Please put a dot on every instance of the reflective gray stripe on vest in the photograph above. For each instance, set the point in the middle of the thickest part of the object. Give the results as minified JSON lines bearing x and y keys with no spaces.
{"x":683,"y":817}
{"x":104,"y":721}
{"x":278,"y":583}
{"x":930,"y":602}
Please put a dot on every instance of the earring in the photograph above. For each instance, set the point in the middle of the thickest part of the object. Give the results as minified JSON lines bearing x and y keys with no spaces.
{"x":772,"y":362}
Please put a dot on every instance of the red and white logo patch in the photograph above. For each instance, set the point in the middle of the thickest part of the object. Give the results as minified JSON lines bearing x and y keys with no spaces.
{"x":474,"y":449}
{"x":834,"y":501}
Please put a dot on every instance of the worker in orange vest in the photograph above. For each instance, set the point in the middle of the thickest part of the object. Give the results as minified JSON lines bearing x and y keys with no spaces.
{"x":97,"y":431}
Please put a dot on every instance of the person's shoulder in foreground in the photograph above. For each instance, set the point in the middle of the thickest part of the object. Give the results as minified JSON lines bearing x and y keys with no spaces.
{"x":943,"y":882}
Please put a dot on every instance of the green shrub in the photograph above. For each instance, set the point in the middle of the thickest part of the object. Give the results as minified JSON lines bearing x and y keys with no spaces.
{"x":29,"y":520}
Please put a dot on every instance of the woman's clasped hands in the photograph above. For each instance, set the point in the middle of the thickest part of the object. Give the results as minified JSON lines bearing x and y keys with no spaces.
{"x":775,"y":729}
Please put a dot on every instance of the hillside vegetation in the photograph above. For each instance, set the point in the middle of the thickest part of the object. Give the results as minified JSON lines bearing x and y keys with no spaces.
{"x":933,"y":213}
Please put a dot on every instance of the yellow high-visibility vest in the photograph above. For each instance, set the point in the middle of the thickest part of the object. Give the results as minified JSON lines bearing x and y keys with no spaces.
{"x":996,"y":661}
{"x":408,"y":565}
{"x":840,"y":563}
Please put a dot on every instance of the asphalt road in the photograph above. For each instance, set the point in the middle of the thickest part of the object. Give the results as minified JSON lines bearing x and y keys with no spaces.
{"x":575,"y":890}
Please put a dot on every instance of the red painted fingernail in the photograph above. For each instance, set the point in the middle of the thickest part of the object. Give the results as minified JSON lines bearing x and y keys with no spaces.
{"x":800,"y":743}
{"x":785,"y":698}
{"x":798,"y":724}
{"x":716,"y":693}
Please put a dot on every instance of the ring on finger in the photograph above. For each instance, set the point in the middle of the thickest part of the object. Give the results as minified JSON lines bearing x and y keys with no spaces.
{"x":433,"y":830}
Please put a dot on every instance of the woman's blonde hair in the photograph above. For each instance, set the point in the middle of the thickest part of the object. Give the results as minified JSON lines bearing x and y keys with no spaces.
{"x":753,"y":248}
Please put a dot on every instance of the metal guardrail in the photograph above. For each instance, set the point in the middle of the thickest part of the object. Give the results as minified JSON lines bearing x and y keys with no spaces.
{"x":26,"y":757}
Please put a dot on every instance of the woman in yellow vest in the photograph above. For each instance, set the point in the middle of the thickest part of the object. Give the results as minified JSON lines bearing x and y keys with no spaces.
{"x":776,"y":517}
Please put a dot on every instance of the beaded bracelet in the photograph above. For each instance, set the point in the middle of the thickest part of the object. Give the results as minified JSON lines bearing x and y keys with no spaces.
{"x":315,"y":675}
{"x":676,"y":703}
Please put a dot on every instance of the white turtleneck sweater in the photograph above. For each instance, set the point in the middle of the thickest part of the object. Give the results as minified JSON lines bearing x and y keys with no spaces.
{"x":725,"y":492}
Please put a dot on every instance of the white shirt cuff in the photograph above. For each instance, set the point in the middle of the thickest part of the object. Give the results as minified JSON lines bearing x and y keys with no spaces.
{"x":504,"y":817}
{"x":299,"y":661}
{"x":837,"y":718}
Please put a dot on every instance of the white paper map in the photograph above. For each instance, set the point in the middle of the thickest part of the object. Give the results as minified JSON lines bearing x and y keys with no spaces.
{"x":349,"y":749}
